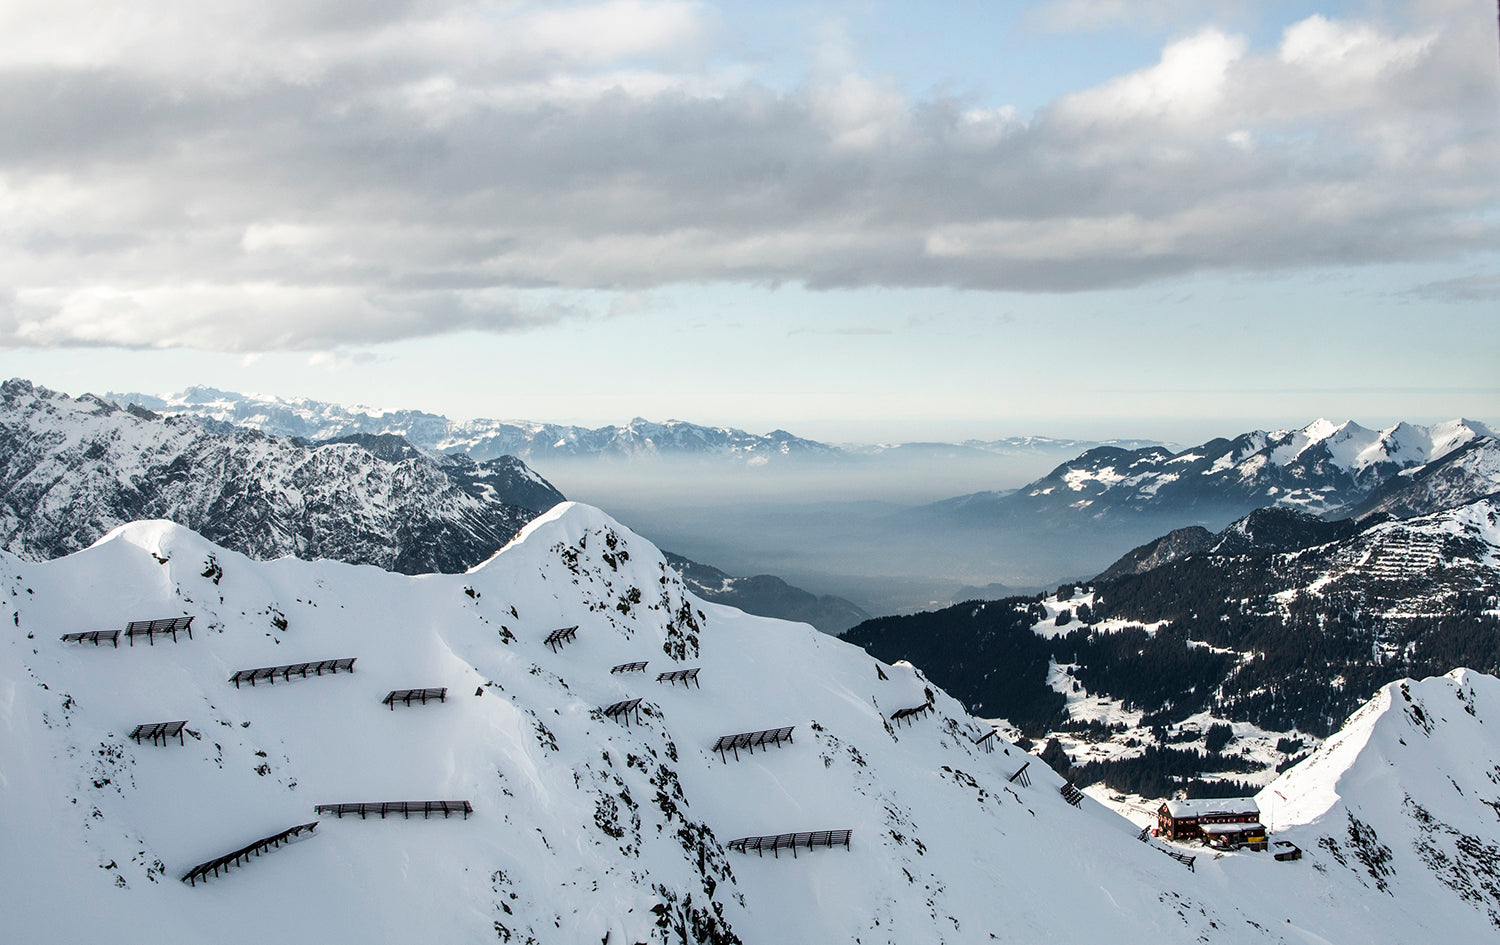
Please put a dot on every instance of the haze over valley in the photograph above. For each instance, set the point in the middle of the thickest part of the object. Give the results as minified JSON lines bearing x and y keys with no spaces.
{"x":893,"y":528}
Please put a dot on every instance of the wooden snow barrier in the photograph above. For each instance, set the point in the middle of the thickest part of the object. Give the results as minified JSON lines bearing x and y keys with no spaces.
{"x":94,"y":637}
{"x":151,"y":731}
{"x":1145,"y":837}
{"x":791,"y":841}
{"x":405,"y":696}
{"x":1070,"y":793}
{"x":1182,"y":858}
{"x":629,"y":667}
{"x":915,"y":711}
{"x":1021,"y":775}
{"x":404,"y":808}
{"x":621,"y":711}
{"x":557,"y":638}
{"x":151,"y":628}
{"x":224,"y":862}
{"x":684,"y":676}
{"x":771,"y":737}
{"x":986,"y":741}
{"x":269,"y":673}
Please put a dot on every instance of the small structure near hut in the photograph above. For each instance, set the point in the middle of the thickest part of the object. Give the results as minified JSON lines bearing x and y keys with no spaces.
{"x":1228,"y":822}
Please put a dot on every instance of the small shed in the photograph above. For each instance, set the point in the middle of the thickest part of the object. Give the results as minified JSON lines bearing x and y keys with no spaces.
{"x":1188,"y":820}
{"x":1235,"y":836}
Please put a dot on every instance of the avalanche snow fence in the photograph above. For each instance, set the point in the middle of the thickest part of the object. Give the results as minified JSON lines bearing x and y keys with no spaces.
{"x":791,"y":841}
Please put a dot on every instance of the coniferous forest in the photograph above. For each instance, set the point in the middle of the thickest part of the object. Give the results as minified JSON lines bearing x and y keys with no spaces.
{"x":1289,"y":642}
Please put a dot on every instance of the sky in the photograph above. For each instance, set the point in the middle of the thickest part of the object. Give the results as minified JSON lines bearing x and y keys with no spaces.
{"x":857,"y":221}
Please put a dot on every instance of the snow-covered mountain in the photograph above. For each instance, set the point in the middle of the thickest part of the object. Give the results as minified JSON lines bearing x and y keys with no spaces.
{"x":1405,"y":797}
{"x":1469,"y":472}
{"x":1275,"y":628}
{"x":583,"y":829}
{"x":532,"y":440}
{"x":479,"y":439}
{"x":1320,"y":468}
{"x":71,"y":469}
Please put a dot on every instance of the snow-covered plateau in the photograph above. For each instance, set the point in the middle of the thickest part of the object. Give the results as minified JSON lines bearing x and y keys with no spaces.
{"x":587,"y":829}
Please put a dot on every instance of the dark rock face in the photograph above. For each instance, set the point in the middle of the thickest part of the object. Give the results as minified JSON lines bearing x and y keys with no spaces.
{"x":71,"y":469}
{"x":1175,"y":544}
{"x":1271,"y":529}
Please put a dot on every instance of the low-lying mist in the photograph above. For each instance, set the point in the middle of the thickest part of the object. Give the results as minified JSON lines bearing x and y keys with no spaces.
{"x":851,"y":526}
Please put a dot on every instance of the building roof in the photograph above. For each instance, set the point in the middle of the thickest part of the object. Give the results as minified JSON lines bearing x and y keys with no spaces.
{"x":1212,"y":806}
{"x":1232,"y":828}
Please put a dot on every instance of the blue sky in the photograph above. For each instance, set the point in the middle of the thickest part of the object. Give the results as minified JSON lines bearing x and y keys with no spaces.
{"x":855,"y":221}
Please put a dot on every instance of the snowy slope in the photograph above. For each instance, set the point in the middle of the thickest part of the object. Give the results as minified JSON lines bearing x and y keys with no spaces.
{"x":1406,"y":797}
{"x":1462,"y":475}
{"x":584,"y":830}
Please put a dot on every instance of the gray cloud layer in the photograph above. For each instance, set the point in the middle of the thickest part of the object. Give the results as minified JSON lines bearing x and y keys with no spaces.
{"x":284,"y":174}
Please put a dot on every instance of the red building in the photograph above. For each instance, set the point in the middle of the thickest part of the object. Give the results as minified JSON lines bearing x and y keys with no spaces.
{"x":1217,"y":821}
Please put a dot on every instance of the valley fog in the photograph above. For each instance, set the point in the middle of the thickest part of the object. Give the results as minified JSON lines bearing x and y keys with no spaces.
{"x":854,"y":527}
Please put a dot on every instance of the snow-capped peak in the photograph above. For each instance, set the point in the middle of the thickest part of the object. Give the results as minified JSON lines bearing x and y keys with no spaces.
{"x":1404,"y":797}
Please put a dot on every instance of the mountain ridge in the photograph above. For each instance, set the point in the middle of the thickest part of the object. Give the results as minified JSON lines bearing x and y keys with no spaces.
{"x":75,"y":468}
{"x":582,"y":828}
{"x":483,"y":438}
{"x":1322,"y":467}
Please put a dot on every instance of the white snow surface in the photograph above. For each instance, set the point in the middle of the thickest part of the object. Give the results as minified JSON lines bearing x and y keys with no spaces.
{"x":584,"y":830}
{"x":1405,"y":797}
{"x":1355,"y":448}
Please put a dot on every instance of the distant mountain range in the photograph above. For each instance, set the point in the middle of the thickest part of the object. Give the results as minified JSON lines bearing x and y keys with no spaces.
{"x":530,"y":440}
{"x":72,"y":469}
{"x":1269,"y":630}
{"x":1091,"y":509}
{"x":1321,"y":468}
{"x":75,"y":468}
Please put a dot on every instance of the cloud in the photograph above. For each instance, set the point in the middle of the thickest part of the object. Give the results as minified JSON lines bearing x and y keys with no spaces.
{"x":1483,"y":287}
{"x":289,"y":175}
